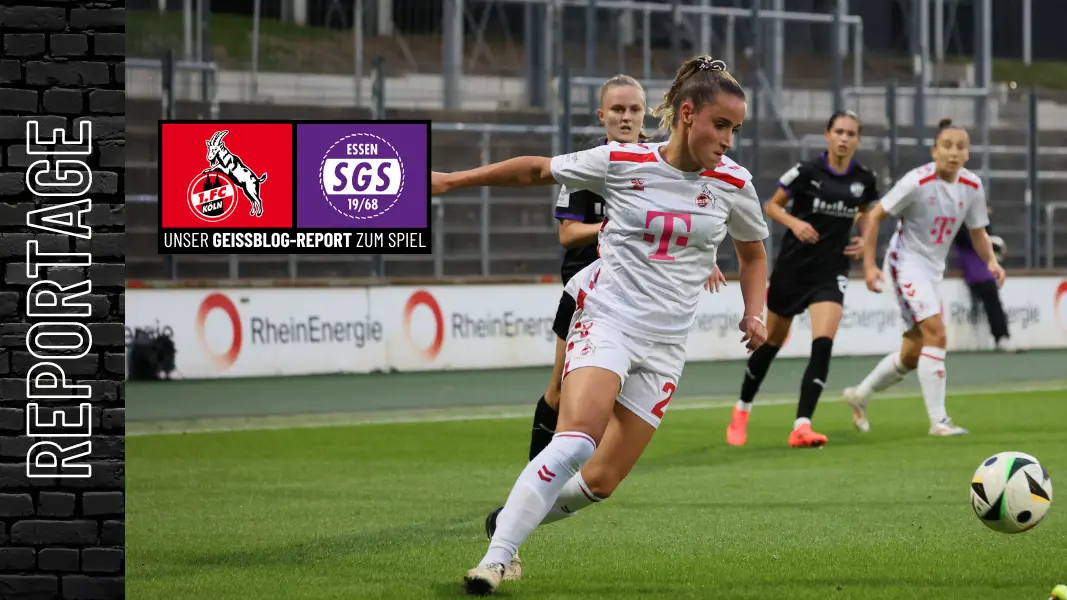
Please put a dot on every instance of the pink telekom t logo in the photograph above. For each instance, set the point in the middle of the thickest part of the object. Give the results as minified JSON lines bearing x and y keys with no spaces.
{"x":668,"y":231}
{"x":942,"y":227}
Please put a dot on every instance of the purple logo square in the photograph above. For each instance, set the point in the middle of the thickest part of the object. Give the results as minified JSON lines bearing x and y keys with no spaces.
{"x":362,"y":175}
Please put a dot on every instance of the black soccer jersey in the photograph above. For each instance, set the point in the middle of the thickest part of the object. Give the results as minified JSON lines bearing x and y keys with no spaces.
{"x":829,"y":201}
{"x":586,"y":207}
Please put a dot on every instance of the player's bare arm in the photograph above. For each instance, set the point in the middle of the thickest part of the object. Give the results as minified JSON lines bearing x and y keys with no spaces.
{"x":854,"y":250}
{"x":983,"y":245}
{"x":871,"y":272}
{"x":776,"y":210}
{"x":523,"y":171}
{"x":575,"y":233}
{"x":752,"y":259}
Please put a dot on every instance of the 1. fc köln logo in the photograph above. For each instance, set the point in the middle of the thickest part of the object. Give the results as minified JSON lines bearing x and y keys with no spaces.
{"x":214,"y":201}
{"x":216,"y":175}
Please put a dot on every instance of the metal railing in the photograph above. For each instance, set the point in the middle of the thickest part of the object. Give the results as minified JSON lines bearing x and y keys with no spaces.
{"x":174,"y":81}
{"x":1051,"y":208}
{"x":463,"y":27}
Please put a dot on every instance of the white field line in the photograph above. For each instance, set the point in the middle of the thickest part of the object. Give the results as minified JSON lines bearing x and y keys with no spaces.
{"x":492,"y":413}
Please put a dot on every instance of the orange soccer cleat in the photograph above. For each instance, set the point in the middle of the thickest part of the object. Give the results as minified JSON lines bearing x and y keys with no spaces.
{"x":804,"y":437}
{"x":737,"y":432}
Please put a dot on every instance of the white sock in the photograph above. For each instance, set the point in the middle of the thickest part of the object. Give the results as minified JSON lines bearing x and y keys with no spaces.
{"x":932,"y":380}
{"x":801,"y":421}
{"x":574,"y":497}
{"x":744,"y":406}
{"x":889,"y":371}
{"x":536,"y":491}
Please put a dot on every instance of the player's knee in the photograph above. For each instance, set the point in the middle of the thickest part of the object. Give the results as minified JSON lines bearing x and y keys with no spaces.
{"x":602,"y":479}
{"x":778,"y":329}
{"x":909,"y":357}
{"x":934,"y":334}
{"x":777,"y":336}
{"x":936,"y":340}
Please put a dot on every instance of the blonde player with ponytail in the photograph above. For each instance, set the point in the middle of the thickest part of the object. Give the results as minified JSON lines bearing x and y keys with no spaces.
{"x":669,"y":206}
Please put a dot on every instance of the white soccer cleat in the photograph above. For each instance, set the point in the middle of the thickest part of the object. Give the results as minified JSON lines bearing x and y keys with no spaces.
{"x":858,"y":402}
{"x":513,"y":572}
{"x":946,"y":427}
{"x":483,"y":579}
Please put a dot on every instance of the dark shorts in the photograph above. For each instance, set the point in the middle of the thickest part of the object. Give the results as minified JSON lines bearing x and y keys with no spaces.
{"x":787,"y":298}
{"x":562,"y":324}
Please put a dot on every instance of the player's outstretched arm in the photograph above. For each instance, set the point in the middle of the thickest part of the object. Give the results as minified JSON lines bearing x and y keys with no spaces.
{"x":585,"y":170}
{"x":984,"y":247}
{"x":871,"y":272}
{"x":752,"y":259}
{"x":524,"y":171}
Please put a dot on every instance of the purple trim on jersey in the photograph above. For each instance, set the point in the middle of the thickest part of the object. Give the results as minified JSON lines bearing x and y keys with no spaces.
{"x":570,"y":217}
{"x":827,"y":163}
{"x":785,"y":189}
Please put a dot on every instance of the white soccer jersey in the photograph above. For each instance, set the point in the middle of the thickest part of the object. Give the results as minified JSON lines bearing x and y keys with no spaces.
{"x":661,"y":232}
{"x":931,"y":212}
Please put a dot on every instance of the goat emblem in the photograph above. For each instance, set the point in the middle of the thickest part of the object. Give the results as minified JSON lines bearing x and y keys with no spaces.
{"x":222,"y":160}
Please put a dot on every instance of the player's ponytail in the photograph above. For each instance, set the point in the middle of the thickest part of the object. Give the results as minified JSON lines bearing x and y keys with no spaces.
{"x":698,"y":80}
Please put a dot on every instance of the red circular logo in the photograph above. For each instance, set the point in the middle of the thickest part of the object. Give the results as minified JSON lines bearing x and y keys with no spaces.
{"x":212,"y":196}
{"x":424,"y":298}
{"x":226,"y":359}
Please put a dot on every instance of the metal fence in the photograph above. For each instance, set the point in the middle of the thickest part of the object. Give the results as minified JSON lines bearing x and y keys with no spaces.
{"x":1026,"y":174}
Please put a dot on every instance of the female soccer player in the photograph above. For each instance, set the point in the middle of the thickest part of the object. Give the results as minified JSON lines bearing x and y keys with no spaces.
{"x":580,"y":213}
{"x":669,"y":206}
{"x":622,"y":110}
{"x":811,"y":273}
{"x":932,"y":202}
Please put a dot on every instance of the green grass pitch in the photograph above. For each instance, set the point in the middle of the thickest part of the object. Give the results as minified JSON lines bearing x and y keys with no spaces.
{"x":396,"y":510}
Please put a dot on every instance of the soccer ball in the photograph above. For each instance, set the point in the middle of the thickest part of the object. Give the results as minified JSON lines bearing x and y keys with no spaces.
{"x":1011,"y":492}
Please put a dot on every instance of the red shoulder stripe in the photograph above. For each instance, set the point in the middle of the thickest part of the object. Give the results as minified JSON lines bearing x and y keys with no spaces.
{"x":737,"y":182}
{"x":928,"y":179}
{"x":966,"y":181}
{"x":637,"y":157}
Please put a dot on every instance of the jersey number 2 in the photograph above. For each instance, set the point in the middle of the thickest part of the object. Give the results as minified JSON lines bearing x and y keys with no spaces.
{"x":668,"y":388}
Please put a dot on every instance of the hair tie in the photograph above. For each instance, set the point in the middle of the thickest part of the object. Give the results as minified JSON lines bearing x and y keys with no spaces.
{"x":713,"y":65}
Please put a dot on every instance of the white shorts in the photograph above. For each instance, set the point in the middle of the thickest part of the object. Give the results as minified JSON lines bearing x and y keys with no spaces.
{"x":649,"y":371}
{"x":581,"y":279}
{"x":915,"y":288}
